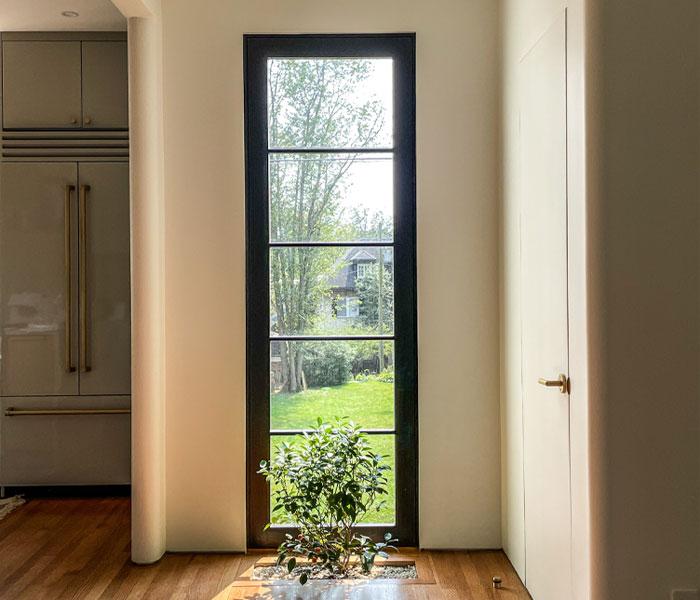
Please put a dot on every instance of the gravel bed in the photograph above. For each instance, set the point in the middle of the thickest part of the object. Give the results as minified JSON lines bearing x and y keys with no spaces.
{"x":378,"y":572}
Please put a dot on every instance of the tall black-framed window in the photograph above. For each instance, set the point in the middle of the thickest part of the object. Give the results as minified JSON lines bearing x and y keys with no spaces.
{"x":331,"y":255}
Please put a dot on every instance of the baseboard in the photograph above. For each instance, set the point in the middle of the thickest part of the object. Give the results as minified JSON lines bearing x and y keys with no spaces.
{"x":68,"y":491}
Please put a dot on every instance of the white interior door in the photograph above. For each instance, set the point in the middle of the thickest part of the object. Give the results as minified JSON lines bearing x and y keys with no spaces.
{"x":545,"y":318}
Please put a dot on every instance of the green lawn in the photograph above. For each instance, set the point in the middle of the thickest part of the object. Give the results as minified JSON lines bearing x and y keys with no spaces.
{"x":370,"y":404}
{"x":367,"y":403}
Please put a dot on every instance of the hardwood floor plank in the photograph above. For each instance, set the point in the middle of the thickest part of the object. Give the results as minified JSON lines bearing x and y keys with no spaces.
{"x":43,"y":552}
{"x":471,"y":575}
{"x":165,"y":582}
{"x":78,"y":549}
{"x":448,"y":575}
{"x":209,"y":572}
{"x":72,"y":573}
{"x":93,"y":555}
{"x":233,"y":568}
{"x":184,"y":584}
{"x":512,"y":588}
{"x":29,"y":537}
{"x":119,"y":586}
{"x":95,"y":577}
{"x":141,"y":579}
{"x":12,"y":521}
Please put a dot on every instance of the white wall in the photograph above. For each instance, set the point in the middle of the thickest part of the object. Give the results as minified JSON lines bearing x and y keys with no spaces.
{"x":522,"y":24}
{"x":646,"y":489}
{"x":205,"y":258}
{"x":634,"y":268}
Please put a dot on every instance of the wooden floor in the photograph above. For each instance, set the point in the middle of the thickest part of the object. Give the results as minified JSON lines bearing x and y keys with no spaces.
{"x":79,"y":548}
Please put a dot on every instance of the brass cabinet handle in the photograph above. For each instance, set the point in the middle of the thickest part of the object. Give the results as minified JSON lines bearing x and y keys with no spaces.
{"x":88,"y":121}
{"x":82,"y":275}
{"x":68,"y":270}
{"x":74,"y":121}
{"x":562,"y":383}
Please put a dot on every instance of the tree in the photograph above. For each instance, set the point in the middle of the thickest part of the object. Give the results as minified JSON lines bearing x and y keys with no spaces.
{"x":376,"y":298}
{"x":375,"y":289}
{"x":310,"y":105}
{"x":371,"y":225}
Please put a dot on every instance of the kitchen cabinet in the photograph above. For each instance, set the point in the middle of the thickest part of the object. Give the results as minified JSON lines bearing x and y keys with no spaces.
{"x":104,"y":85}
{"x":41,"y":84}
{"x":64,"y":84}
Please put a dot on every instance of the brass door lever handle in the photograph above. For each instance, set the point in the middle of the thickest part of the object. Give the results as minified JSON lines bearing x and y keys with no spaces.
{"x":562,"y":383}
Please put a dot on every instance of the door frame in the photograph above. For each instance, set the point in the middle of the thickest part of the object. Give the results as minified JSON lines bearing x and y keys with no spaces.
{"x":401,"y":48}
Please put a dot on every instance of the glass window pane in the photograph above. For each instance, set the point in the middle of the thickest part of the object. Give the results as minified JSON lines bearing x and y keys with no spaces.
{"x":331,"y":197}
{"x":331,"y":291}
{"x":329,"y":379}
{"x":330,"y":102}
{"x":384,"y":445}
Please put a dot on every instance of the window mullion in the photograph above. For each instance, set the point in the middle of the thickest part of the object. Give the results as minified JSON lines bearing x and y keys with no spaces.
{"x":331,"y":150}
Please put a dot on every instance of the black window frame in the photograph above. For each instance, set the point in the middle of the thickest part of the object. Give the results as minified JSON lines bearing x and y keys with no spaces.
{"x":257,"y":50}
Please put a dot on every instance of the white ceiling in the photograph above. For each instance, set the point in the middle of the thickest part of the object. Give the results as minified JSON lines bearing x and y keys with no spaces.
{"x":45,"y":15}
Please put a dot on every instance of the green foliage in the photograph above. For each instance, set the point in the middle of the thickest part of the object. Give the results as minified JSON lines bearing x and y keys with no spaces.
{"x":364,"y":376}
{"x":327,"y":481}
{"x":310,"y":104}
{"x":369,"y":350}
{"x":371,"y":225}
{"x":386,"y":376}
{"x":327,"y":363}
{"x":375,"y":295}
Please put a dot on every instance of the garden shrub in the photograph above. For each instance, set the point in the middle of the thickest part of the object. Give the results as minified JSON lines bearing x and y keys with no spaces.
{"x":327,"y":363}
{"x":386,"y":376}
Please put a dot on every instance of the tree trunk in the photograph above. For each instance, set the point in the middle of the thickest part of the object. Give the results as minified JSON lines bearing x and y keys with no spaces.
{"x":284,"y":366}
{"x":300,"y":371}
{"x":293,"y":378}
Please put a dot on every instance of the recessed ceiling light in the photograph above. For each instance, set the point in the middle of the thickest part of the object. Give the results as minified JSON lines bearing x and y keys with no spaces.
{"x":70,"y":13}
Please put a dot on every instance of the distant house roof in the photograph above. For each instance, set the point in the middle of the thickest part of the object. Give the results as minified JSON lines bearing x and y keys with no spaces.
{"x":344,"y":279}
{"x":356,"y":254}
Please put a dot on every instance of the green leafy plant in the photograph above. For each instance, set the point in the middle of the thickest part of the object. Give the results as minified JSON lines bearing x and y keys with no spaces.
{"x":386,"y":376}
{"x":327,"y":363}
{"x":326,"y":481}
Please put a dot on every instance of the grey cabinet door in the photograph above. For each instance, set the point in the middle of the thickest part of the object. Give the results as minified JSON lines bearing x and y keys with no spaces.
{"x":41,"y":85}
{"x":105,"y":324}
{"x":38,"y":279}
{"x":63,"y":449}
{"x":105,"y":77}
